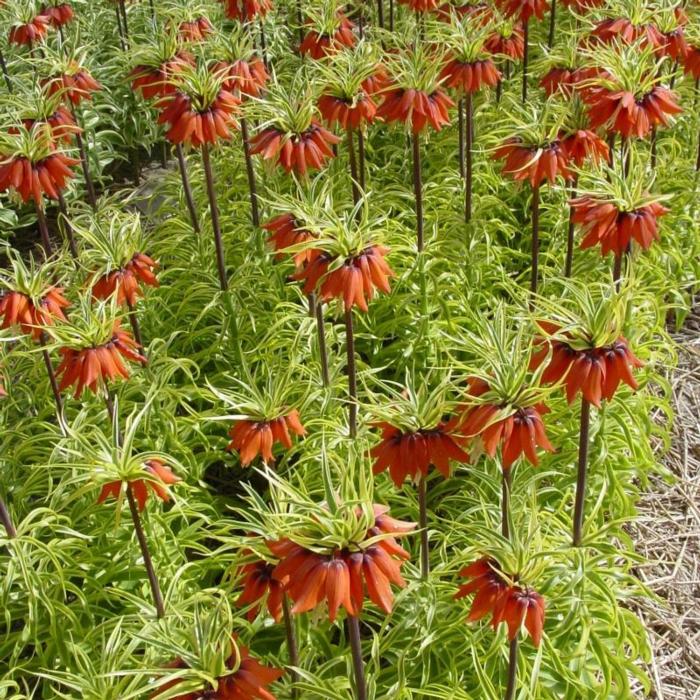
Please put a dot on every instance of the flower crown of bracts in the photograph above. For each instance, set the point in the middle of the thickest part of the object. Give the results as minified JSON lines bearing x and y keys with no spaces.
{"x":636,"y":13}
{"x":464,"y":38}
{"x":34,"y":143}
{"x":584,"y":316}
{"x":112,"y":235}
{"x":28,"y":278}
{"x":166,"y":47}
{"x":411,"y":67}
{"x":237,"y":44}
{"x":199,"y":85}
{"x":346,"y":76}
{"x":325,"y":18}
{"x":530,"y":126}
{"x":25,"y":11}
{"x":421,"y":402}
{"x":621,"y":67}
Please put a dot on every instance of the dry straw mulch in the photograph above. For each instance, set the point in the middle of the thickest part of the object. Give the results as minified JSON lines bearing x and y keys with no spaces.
{"x":667,"y":533}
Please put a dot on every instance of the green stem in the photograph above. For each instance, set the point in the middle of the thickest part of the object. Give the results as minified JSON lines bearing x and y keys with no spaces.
{"x":292,"y":648}
{"x":418,"y":190}
{"x":352,"y":372}
{"x":6,"y":520}
{"x":423,"y":525}
{"x":214,"y":212}
{"x":250,"y":172}
{"x":189,"y":199}
{"x":581,"y":477}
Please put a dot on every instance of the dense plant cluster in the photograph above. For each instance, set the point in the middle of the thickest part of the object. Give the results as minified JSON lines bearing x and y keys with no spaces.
{"x":355,"y":398}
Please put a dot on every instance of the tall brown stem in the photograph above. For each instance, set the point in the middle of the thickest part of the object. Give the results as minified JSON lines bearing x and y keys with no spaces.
{"x":5,"y":72}
{"x":250,"y":171}
{"x":290,"y":633}
{"x":6,"y":520}
{"x":352,"y":372}
{"x":423,"y":525}
{"x":512,"y":670}
{"x":506,"y":487}
{"x":361,"y":158}
{"x":353,"y":165}
{"x":534,"y":271}
{"x":122,"y":5}
{"x":43,"y":229}
{"x":583,"y":440}
{"x":418,"y":190}
{"x":469,"y":147}
{"x":526,"y":51}
{"x":189,"y":199}
{"x":380,"y":13}
{"x":460,"y":129}
{"x":322,"y":350}
{"x":569,"y":262}
{"x":122,"y":40}
{"x":52,"y":379}
{"x":357,"y":662}
{"x":697,"y":161}
{"x":135,"y":327}
{"x":84,"y":164}
{"x":391,"y":15}
{"x":145,"y":553}
{"x":67,"y":225}
{"x":214,"y":212}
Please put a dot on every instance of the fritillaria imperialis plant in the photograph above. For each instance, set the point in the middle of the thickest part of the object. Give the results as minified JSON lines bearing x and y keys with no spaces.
{"x":291,"y":132}
{"x":30,"y":26}
{"x":348,"y":264}
{"x":245,"y":77}
{"x":336,"y":553}
{"x":615,"y":210}
{"x":583,"y":350}
{"x":415,"y":437}
{"x":32,"y":302}
{"x":32,"y":165}
{"x":415,"y":98}
{"x":347,"y":101}
{"x":534,"y":153}
{"x":201,"y":113}
{"x":120,"y":267}
{"x":507,"y":600}
{"x":468,"y":70}
{"x":327,"y":30}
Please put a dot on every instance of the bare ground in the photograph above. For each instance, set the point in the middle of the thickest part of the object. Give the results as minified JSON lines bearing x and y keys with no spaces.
{"x":667,"y":534}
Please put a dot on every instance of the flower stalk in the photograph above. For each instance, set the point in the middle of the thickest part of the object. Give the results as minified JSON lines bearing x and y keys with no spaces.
{"x":512,"y":669}
{"x":552,"y":23}
{"x":534,"y":271}
{"x":6,"y":520}
{"x":570,"y":240}
{"x":352,"y":372}
{"x":189,"y":199}
{"x":526,"y":51}
{"x":5,"y":72}
{"x":353,"y":165}
{"x":506,"y":486}
{"x":468,"y":154}
{"x":145,"y":552}
{"x":418,"y":190}
{"x":84,"y":164}
{"x":358,"y":663}
{"x":63,"y":209}
{"x":292,"y":648}
{"x":214,"y":212}
{"x":322,"y":349}
{"x":581,"y":477}
{"x":460,"y":128}
{"x":423,"y":525}
{"x":250,"y":172}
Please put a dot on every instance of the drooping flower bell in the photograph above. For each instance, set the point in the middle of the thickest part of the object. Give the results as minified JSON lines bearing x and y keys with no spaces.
{"x":73,"y":82}
{"x":507,"y":41}
{"x":247,"y":10}
{"x":410,"y":453}
{"x":61,"y":122}
{"x":156,"y":66}
{"x":294,"y":138}
{"x":625,"y":30}
{"x":416,"y":107}
{"x":584,"y":145}
{"x":249,"y":680}
{"x":91,"y":365}
{"x":340,"y":576}
{"x":159,"y":477}
{"x":691,"y":61}
{"x":517,"y":430}
{"x":29,"y":32}
{"x":536,"y":163}
{"x":244,"y":77}
{"x":505,"y":601}
{"x":197,"y":29}
{"x":125,"y":282}
{"x":604,"y":223}
{"x":261,"y":585}
{"x":593,"y":368}
{"x":285,"y":232}
{"x":59,"y":14}
{"x":251,"y":438}
{"x":31,"y":165}
{"x":328,"y":32}
{"x":29,"y":300}
{"x":354,"y":281}
{"x":200,"y":111}
{"x":523,"y":10}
